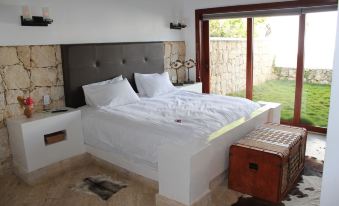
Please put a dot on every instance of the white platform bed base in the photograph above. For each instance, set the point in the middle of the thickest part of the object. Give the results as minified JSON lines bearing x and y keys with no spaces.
{"x":127,"y":164}
{"x":185,"y":172}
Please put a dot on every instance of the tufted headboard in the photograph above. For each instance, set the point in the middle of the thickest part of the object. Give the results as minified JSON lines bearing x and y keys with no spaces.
{"x":88,"y":63}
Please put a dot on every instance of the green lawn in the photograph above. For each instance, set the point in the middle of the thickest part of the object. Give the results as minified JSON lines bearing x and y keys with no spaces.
{"x":315,"y":101}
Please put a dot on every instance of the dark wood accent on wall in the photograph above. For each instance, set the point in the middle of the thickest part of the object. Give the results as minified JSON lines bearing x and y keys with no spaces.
{"x":202,"y":48}
{"x":249,"y":59}
{"x":300,"y":70}
{"x":198,"y":42}
{"x":205,"y":68}
{"x":202,"y":52}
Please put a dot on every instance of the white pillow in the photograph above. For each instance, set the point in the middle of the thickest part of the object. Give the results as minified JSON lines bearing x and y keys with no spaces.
{"x":138,"y":79}
{"x":110,"y":81}
{"x":155,"y":84}
{"x":115,"y":94}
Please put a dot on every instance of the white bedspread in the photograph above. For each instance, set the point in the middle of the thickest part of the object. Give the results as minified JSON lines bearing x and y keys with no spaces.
{"x":178,"y":118}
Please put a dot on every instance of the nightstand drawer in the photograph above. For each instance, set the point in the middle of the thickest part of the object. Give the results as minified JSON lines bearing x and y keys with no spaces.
{"x":55,"y":137}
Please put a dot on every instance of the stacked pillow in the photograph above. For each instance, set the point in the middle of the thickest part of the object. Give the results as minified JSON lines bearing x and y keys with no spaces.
{"x":115,"y":92}
{"x":118,"y":91}
{"x":151,"y":85}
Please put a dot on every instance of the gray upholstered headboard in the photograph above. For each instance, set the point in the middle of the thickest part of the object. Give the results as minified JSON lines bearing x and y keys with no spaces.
{"x":88,"y":63}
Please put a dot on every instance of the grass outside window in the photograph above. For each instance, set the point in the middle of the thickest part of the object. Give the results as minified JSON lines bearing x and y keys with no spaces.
{"x":315,"y":100}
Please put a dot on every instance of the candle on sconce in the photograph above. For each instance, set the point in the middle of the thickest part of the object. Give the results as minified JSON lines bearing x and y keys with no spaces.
{"x":45,"y":13}
{"x":26,"y":13}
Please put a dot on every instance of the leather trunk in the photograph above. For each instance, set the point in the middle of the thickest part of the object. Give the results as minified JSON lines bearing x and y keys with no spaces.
{"x":268,"y":161}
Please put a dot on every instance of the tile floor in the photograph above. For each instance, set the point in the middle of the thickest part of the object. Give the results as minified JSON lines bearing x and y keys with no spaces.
{"x":57,"y":191}
{"x":316,"y":145}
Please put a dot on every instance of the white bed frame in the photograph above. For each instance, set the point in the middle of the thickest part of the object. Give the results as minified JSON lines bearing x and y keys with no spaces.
{"x":185,"y":172}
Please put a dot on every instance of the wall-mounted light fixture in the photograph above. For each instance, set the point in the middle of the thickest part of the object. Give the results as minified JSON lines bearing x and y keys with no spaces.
{"x":28,"y":20}
{"x":177,"y":25}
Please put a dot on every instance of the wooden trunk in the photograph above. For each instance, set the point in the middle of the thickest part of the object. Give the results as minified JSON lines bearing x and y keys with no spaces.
{"x":268,"y":161}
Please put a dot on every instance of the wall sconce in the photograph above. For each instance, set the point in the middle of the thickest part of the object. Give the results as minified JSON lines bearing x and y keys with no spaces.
{"x":28,"y":20}
{"x":177,"y":25}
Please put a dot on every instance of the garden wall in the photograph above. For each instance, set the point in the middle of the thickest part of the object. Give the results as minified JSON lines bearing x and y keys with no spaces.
{"x":312,"y":76}
{"x":228,"y":64}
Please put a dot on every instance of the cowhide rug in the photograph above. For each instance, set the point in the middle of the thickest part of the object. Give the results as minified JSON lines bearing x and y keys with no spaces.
{"x":305,"y":193}
{"x":101,"y":185}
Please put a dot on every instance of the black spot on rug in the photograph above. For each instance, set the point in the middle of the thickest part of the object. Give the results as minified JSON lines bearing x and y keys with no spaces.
{"x":306,"y":192}
{"x":100,"y":185}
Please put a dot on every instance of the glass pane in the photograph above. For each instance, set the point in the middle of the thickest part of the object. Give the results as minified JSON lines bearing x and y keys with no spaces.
{"x":228,"y":56}
{"x":275,"y":49}
{"x":319,"y":51}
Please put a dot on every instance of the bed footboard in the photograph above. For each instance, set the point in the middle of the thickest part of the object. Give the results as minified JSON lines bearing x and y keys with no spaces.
{"x":185,"y":172}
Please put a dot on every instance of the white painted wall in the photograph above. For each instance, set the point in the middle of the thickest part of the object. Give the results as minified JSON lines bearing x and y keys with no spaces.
{"x":189,"y":17}
{"x":85,"y":21}
{"x":330,"y":185}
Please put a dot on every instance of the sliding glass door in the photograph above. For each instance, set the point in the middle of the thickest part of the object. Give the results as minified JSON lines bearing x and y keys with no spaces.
{"x":275,"y":49}
{"x":320,"y":31}
{"x":286,"y":59}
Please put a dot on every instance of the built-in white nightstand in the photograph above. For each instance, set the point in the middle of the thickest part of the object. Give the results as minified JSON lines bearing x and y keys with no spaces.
{"x":196,"y":87}
{"x":44,"y":139}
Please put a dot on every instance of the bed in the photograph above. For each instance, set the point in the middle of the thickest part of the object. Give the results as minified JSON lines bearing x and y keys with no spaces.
{"x":180,"y":139}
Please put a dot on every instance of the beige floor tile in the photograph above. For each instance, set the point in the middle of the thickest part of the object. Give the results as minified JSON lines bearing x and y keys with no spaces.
{"x":57,"y":191}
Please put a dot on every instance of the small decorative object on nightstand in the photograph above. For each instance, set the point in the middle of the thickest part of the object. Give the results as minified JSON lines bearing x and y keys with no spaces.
{"x":28,"y":104}
{"x":176,"y":65}
{"x":189,"y":64}
{"x":46,"y":102}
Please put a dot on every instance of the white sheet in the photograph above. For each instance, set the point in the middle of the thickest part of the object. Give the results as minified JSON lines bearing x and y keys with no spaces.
{"x":180,"y":117}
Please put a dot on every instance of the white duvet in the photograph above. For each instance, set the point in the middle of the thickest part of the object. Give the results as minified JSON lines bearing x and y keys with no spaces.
{"x":178,"y":118}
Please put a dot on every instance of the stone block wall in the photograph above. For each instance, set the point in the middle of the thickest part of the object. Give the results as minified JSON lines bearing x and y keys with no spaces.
{"x":27,"y":71}
{"x":263,"y":61}
{"x":175,"y":50}
{"x":36,"y":71}
{"x":228,"y":64}
{"x":312,"y":76}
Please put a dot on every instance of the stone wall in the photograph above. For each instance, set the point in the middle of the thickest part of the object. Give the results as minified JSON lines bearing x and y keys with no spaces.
{"x":228,"y":64}
{"x":36,"y":71}
{"x":263,"y":61}
{"x":313,"y":76}
{"x":27,"y":71}
{"x":175,"y":51}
